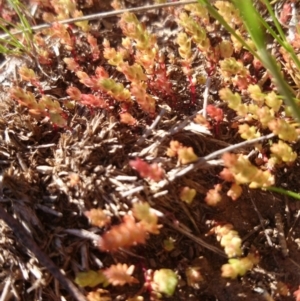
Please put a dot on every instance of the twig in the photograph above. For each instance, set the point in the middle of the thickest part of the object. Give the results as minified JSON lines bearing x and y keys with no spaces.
{"x":236,"y":146}
{"x":44,"y":260}
{"x":293,"y":23}
{"x":297,"y":217}
{"x":83,"y":234}
{"x":5,"y":290}
{"x":205,"y":96}
{"x":42,"y":145}
{"x":132,"y":191}
{"x":100,"y":16}
{"x":126,"y":178}
{"x":281,"y":236}
{"x":153,"y":125}
{"x":255,"y":230}
{"x":49,"y":210}
{"x":179,"y":126}
{"x":261,"y":220}
{"x":203,"y":160}
{"x":196,"y":239}
{"x":264,"y":293}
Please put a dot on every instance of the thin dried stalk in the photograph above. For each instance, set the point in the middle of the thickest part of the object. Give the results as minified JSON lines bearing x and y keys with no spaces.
{"x":101,"y":16}
{"x":29,"y":243}
{"x":196,"y":239}
{"x":204,"y":160}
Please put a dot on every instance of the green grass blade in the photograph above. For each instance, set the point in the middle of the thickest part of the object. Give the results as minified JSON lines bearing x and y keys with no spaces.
{"x":281,"y":38}
{"x":285,"y":192}
{"x":255,"y":30}
{"x":251,"y":21}
{"x":13,"y":44}
{"x":12,"y":41}
{"x":214,"y":13}
{"x":20,"y":9}
{"x":275,"y":20}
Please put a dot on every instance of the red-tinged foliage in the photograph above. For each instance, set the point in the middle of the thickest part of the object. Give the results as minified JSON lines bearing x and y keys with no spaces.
{"x":126,"y":234}
{"x":28,"y":74}
{"x":226,"y":175}
{"x":45,"y":107}
{"x":285,"y":13}
{"x":161,"y":81}
{"x":257,"y":64}
{"x":7,"y":15}
{"x":93,"y":101}
{"x":86,"y":79}
{"x":94,"y":46}
{"x":215,"y":113}
{"x":213,"y":196}
{"x":74,"y":93}
{"x":86,"y":99}
{"x":241,"y":82}
{"x":127,"y":118}
{"x":100,"y":72}
{"x":229,"y":159}
{"x":60,"y":31}
{"x":152,"y":171}
{"x":120,"y":274}
{"x":145,"y":100}
{"x":72,"y":65}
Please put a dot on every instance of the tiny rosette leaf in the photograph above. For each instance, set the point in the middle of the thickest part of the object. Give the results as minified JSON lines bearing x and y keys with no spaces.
{"x":28,"y":74}
{"x":97,"y":217}
{"x":238,"y":266}
{"x":248,"y":132}
{"x":99,"y":295}
{"x":186,"y":155}
{"x":235,"y":191}
{"x":213,"y":196}
{"x":283,"y":152}
{"x":256,"y":94}
{"x":233,"y":99}
{"x":246,"y":173}
{"x":229,"y":239}
{"x":90,"y":278}
{"x":152,"y":171}
{"x":215,"y":113}
{"x":164,"y":281}
{"x":127,"y":118}
{"x":126,"y":234}
{"x":187,"y":194}
{"x":284,"y":130}
{"x":273,"y":101}
{"x":148,"y":219}
{"x":120,"y":274}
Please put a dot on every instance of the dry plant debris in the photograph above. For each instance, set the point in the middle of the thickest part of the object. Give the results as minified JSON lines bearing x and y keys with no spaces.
{"x":135,"y":154}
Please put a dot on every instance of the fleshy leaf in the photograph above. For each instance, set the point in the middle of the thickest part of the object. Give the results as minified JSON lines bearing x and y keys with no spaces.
{"x":120,"y":274}
{"x":90,"y":278}
{"x":165,"y":281}
{"x":126,"y":234}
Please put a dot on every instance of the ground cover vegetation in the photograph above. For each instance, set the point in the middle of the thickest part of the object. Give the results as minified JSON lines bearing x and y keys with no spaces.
{"x":149,"y":154}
